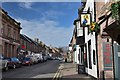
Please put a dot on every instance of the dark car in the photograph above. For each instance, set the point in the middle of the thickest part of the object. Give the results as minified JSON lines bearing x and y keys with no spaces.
{"x":14,"y":62}
{"x":27,"y":61}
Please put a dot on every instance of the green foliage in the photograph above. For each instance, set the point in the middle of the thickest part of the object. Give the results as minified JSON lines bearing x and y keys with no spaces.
{"x":96,"y":27}
{"x":115,"y":9}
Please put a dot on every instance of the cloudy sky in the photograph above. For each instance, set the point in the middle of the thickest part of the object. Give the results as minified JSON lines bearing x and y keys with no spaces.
{"x":51,"y":22}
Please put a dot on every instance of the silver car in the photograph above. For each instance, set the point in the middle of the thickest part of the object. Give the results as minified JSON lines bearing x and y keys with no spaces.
{"x":3,"y":63}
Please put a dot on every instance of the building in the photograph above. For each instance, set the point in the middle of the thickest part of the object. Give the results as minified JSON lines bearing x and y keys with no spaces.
{"x":9,"y":35}
{"x":100,"y":48}
{"x":73,"y":45}
{"x":108,"y":39}
{"x":26,"y":46}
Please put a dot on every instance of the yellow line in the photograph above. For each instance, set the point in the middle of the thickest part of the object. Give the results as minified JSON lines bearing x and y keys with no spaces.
{"x":58,"y":73}
{"x":55,"y":75}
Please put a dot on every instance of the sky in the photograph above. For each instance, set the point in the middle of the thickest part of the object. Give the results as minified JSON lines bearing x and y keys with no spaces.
{"x":51,"y":22}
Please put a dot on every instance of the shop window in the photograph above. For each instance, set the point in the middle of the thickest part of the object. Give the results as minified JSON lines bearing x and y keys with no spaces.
{"x":79,"y":56}
{"x":89,"y":50}
{"x":94,"y":58}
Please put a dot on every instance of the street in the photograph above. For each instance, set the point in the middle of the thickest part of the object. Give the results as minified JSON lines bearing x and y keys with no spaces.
{"x":40,"y":70}
{"x":60,"y":39}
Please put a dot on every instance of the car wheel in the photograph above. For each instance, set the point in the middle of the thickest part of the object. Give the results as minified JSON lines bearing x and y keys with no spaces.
{"x":14,"y":66}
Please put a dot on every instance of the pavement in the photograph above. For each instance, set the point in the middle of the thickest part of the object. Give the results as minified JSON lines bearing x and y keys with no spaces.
{"x":69,"y":72}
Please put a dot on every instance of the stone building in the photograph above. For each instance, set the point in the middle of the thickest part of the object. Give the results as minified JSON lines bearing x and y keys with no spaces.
{"x":9,"y":35}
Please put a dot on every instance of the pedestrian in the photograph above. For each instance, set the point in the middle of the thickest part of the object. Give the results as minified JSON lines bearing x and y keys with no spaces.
{"x":65,"y":59}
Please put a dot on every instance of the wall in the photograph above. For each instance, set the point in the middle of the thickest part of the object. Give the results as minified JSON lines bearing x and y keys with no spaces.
{"x":101,"y":9}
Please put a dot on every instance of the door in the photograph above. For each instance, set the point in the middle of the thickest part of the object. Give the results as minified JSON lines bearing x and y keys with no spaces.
{"x":117,"y":61}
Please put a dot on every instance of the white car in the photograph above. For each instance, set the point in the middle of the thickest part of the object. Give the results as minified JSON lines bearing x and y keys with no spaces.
{"x":3,"y":63}
{"x":45,"y":57}
{"x":33,"y":57}
{"x":39,"y":57}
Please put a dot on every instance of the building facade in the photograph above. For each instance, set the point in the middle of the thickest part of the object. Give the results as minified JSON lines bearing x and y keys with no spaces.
{"x":100,"y":49}
{"x":10,"y":35}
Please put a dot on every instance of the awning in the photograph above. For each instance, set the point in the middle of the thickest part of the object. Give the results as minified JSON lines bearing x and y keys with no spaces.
{"x":114,"y":31}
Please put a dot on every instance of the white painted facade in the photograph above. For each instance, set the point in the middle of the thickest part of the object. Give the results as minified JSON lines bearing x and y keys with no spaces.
{"x":93,"y":71}
{"x":77,"y":52}
{"x":79,"y":33}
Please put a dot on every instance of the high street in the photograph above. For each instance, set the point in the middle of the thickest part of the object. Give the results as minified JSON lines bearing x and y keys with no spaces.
{"x":40,"y":70}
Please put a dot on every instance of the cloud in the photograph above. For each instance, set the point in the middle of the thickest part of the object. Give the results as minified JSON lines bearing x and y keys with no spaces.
{"x":27,"y":5}
{"x":52,"y":14}
{"x":48,"y":31}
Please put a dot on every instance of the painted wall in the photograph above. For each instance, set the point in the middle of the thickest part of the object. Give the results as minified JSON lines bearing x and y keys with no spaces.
{"x":91,"y":71}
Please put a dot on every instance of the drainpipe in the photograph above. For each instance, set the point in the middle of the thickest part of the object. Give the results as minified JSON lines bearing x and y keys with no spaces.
{"x":113,"y":60}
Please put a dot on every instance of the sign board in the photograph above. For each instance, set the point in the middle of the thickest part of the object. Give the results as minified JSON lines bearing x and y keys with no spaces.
{"x":85,"y":19}
{"x":107,"y":55}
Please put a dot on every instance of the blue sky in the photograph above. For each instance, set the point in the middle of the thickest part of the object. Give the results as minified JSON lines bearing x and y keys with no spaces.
{"x":51,"y":22}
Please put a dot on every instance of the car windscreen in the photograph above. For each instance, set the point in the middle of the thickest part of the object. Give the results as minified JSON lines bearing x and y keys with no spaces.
{"x":14,"y":59}
{"x":26,"y":59}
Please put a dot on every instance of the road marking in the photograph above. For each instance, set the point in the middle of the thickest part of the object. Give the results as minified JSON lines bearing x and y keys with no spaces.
{"x":55,"y":74}
{"x":58,"y":73}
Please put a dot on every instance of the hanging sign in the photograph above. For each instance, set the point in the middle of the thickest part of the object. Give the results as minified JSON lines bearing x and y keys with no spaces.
{"x":85,"y":19}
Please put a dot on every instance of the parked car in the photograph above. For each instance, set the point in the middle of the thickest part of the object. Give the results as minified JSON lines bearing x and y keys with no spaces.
{"x":44,"y":57}
{"x":50,"y":58}
{"x":27,"y":61}
{"x":39,"y":57}
{"x":14,"y":62}
{"x":3,"y":63}
{"x":34,"y":59}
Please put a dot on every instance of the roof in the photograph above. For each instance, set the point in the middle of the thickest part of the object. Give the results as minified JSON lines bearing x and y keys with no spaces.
{"x":30,"y":40}
{"x":24,"y":37}
{"x":76,"y":21}
{"x":4,"y":12}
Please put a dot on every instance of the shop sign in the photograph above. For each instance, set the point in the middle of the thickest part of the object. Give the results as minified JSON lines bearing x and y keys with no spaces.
{"x":107,"y":55}
{"x":23,"y":47}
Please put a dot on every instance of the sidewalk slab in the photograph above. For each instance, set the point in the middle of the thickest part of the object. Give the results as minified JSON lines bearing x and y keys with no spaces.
{"x":69,"y":71}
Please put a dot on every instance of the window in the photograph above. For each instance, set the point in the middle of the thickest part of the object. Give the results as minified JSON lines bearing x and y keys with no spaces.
{"x":107,"y":40}
{"x":9,"y":32}
{"x":79,"y":55}
{"x":3,"y":29}
{"x":14,"y":37}
{"x":89,"y":50}
{"x":94,"y":58}
{"x":85,"y":56}
{"x":82,"y":56}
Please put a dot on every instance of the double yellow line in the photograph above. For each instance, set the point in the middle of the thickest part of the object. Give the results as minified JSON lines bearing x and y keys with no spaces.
{"x":58,"y":73}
